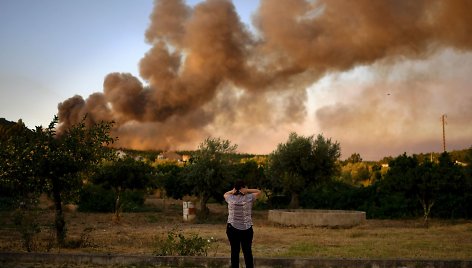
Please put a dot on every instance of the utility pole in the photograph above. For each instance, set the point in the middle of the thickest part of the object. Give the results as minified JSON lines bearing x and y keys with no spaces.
{"x":443,"y":119}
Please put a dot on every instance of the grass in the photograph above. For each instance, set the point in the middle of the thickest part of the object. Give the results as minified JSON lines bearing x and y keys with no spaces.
{"x":136,"y":233}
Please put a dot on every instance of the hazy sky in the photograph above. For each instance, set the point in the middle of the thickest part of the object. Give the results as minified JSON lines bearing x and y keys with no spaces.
{"x":378,"y":91}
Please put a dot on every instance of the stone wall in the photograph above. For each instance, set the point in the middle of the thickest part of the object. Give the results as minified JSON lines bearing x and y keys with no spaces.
{"x":13,"y":259}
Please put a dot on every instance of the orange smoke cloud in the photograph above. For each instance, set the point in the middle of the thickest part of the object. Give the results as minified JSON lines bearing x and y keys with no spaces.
{"x":206,"y":71}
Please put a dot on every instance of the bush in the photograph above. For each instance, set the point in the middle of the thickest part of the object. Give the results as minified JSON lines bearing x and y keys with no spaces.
{"x":278,"y":201}
{"x":133,"y":201}
{"x":95,"y":198}
{"x":27,"y":224}
{"x":7,"y":203}
{"x":330,"y":195}
{"x":175,"y":243}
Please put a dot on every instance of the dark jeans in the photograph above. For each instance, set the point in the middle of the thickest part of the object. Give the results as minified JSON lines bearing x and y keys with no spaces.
{"x":240,"y":239}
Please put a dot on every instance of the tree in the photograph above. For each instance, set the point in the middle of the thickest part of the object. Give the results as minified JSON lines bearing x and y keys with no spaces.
{"x":121,"y":175}
{"x":302,"y":162}
{"x":396,"y":195}
{"x":210,"y":171}
{"x":426,"y":185}
{"x":169,"y":177}
{"x":66,"y":157}
{"x":53,"y":163}
{"x":437,"y":186}
{"x":354,"y":158}
{"x":251,"y":172}
{"x":468,"y":184}
{"x":453,"y":200}
{"x":18,"y":160}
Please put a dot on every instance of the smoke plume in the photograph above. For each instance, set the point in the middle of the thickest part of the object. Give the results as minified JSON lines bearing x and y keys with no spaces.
{"x":208,"y":74}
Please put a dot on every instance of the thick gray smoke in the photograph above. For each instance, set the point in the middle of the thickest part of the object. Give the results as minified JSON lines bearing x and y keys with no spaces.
{"x":207,"y":74}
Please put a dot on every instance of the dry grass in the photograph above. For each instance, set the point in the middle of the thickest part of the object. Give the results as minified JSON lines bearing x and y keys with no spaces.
{"x":135,"y":233}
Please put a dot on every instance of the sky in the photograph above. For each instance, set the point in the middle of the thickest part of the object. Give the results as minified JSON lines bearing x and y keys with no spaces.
{"x":374,"y":76}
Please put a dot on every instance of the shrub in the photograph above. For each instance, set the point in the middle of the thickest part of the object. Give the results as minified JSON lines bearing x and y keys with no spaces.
{"x":278,"y":201}
{"x":175,"y":243}
{"x":95,"y":198}
{"x":330,"y":195}
{"x":133,"y":201}
{"x":27,"y":223}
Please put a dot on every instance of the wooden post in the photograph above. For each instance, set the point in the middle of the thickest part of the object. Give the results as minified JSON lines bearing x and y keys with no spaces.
{"x":444,"y":131}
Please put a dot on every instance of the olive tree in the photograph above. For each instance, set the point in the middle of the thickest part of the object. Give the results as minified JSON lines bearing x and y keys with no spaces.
{"x":302,"y":162}
{"x":210,"y":170}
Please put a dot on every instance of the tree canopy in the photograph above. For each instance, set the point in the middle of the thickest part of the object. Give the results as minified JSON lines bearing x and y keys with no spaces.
{"x":45,"y":161}
{"x":211,"y":170}
{"x":302,"y":162}
{"x":121,"y":175}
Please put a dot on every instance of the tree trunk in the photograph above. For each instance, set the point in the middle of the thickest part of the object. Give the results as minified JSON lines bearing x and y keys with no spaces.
{"x":59,"y":221}
{"x":295,"y":202}
{"x":426,"y":211}
{"x":204,"y":211}
{"x":118,"y":205}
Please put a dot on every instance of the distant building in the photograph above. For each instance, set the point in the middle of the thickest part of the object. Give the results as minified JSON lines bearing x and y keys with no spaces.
{"x":186,"y":158}
{"x":462,"y":164}
{"x":170,"y":156}
{"x":120,"y":154}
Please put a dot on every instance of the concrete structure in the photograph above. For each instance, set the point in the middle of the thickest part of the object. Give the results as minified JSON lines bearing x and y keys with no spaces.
{"x":189,"y":212}
{"x":315,"y":217}
{"x":14,"y":259}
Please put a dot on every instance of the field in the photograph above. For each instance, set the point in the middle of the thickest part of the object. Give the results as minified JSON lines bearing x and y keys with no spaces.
{"x":136,"y":233}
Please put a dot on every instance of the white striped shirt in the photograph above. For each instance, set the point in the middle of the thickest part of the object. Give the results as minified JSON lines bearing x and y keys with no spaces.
{"x":240,"y":210}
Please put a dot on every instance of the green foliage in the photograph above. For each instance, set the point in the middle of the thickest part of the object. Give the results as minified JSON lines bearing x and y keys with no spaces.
{"x":211,"y":171}
{"x":177,"y":244}
{"x":133,"y":200}
{"x":122,"y":175}
{"x":44,"y":161}
{"x":412,"y":188}
{"x":302,"y":162}
{"x":19,"y":158}
{"x":454,"y":187}
{"x":395,"y":191}
{"x":251,"y":172}
{"x":354,"y":158}
{"x":169,"y":176}
{"x":330,"y":195}
{"x":27,"y":224}
{"x":359,"y":173}
{"x":125,"y":173}
{"x":96,"y":198}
